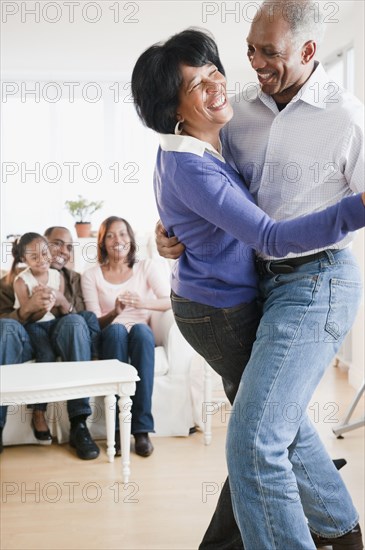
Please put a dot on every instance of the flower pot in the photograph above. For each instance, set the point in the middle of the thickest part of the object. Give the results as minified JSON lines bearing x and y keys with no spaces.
{"x":83,"y":229}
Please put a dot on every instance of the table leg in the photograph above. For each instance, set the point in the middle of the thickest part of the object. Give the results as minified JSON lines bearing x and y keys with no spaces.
{"x":125,"y":418}
{"x":109,"y":403}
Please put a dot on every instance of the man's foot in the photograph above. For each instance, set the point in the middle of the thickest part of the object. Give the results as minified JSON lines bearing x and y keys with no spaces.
{"x":142,"y":444}
{"x":40,"y":428}
{"x":339,"y":463}
{"x":350,"y":541}
{"x":82,"y":441}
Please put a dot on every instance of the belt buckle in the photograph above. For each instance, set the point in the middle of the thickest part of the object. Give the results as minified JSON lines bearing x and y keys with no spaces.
{"x":278,"y":268}
{"x":267,"y":267}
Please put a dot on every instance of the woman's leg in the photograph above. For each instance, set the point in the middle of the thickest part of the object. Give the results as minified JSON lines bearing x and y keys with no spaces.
{"x":114,"y":345}
{"x":306,"y":316}
{"x":224,"y":337}
{"x":142,"y":355}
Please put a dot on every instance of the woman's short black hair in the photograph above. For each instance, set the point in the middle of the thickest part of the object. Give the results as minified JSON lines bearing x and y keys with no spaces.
{"x":157,"y":78}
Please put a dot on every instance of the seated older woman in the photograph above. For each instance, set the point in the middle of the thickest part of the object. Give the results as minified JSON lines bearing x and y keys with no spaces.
{"x":123,"y":291}
{"x":179,"y":90}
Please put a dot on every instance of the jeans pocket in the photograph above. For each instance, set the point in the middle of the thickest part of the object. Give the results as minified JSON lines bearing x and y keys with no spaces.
{"x":200,"y":335}
{"x":344,"y":300}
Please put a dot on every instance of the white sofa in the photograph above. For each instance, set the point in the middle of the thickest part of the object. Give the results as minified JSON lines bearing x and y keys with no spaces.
{"x":178,"y":384}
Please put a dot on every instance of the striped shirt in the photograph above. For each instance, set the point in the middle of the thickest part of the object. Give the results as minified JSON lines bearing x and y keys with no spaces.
{"x":301,"y":159}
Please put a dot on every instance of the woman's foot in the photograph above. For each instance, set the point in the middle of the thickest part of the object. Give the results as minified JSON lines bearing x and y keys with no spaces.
{"x":40,"y":428}
{"x":142,"y":444}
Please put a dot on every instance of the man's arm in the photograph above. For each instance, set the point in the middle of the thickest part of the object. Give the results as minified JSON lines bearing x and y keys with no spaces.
{"x":168,"y":247}
{"x":73,"y":291}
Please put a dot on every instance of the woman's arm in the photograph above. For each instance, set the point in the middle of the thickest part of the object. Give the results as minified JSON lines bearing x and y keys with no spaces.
{"x":92,"y":302}
{"x":156,"y":278}
{"x":208,"y":192}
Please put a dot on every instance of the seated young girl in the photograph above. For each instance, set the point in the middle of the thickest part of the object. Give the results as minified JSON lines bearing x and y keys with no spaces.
{"x":32,"y":249}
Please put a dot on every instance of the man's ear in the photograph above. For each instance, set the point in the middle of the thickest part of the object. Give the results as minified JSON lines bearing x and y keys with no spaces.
{"x":308,"y":51}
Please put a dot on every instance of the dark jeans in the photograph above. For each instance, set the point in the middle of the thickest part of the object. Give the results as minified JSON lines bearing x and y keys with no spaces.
{"x":138,"y":345}
{"x":71,"y":337}
{"x":224,"y":337}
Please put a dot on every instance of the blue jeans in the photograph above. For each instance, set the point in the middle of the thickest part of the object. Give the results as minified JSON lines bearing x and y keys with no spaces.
{"x":280,"y":474}
{"x":67,"y":337}
{"x":15,"y":347}
{"x":138,"y":345}
{"x":224,"y":337}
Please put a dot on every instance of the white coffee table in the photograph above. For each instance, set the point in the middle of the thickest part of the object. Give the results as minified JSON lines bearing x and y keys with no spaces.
{"x":28,"y":383}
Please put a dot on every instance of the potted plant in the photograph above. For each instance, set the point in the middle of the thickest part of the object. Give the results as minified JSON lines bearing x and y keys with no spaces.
{"x":81,"y":210}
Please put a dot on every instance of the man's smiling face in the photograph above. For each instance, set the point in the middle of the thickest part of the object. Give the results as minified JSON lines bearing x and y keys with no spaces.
{"x":278,"y":61}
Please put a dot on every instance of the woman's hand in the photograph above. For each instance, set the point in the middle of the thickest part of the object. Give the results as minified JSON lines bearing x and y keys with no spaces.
{"x":119,"y":305}
{"x":363,"y":198}
{"x":131,"y":299}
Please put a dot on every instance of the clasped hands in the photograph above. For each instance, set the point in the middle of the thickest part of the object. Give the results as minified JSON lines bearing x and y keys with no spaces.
{"x":45,"y":298}
{"x":128,"y":299}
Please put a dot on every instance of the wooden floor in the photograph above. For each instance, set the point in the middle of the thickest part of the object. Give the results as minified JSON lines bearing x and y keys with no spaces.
{"x":53,"y":500}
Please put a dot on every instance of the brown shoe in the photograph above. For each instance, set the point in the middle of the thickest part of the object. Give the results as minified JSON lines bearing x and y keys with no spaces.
{"x":350,"y":541}
{"x":142,"y":444}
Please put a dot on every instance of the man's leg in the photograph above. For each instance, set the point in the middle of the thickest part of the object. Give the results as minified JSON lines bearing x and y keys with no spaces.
{"x":94,"y":331}
{"x":306,"y":316}
{"x":15,"y":347}
{"x":72,"y":342}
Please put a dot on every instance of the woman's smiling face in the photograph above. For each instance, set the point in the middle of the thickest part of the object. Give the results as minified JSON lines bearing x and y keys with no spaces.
{"x":203,"y":105}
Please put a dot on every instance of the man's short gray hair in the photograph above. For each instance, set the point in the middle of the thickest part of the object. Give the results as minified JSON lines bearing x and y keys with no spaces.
{"x":305,"y":18}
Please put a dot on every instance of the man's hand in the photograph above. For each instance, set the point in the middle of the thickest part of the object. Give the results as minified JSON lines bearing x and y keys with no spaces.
{"x":168,"y":247}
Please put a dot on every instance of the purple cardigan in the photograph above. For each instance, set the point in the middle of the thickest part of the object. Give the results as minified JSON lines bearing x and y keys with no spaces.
{"x":205,"y":203}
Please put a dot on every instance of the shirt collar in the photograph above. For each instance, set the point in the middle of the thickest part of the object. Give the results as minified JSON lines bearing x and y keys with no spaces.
{"x":189,"y":144}
{"x":314,"y":91}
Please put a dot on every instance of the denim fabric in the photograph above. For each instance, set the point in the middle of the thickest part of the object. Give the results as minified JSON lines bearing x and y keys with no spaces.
{"x":67,"y":337}
{"x":280,"y":474}
{"x":138,"y":346}
{"x":94,"y":331}
{"x":15,"y":347}
{"x":224,"y":337}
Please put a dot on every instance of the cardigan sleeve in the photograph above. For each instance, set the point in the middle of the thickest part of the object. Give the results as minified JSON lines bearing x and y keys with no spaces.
{"x":208,"y":191}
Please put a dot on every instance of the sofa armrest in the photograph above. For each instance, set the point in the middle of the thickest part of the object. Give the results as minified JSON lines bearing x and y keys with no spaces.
{"x":161,"y":323}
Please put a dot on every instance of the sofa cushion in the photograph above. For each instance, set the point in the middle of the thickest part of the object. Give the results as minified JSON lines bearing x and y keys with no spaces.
{"x":161,"y":363}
